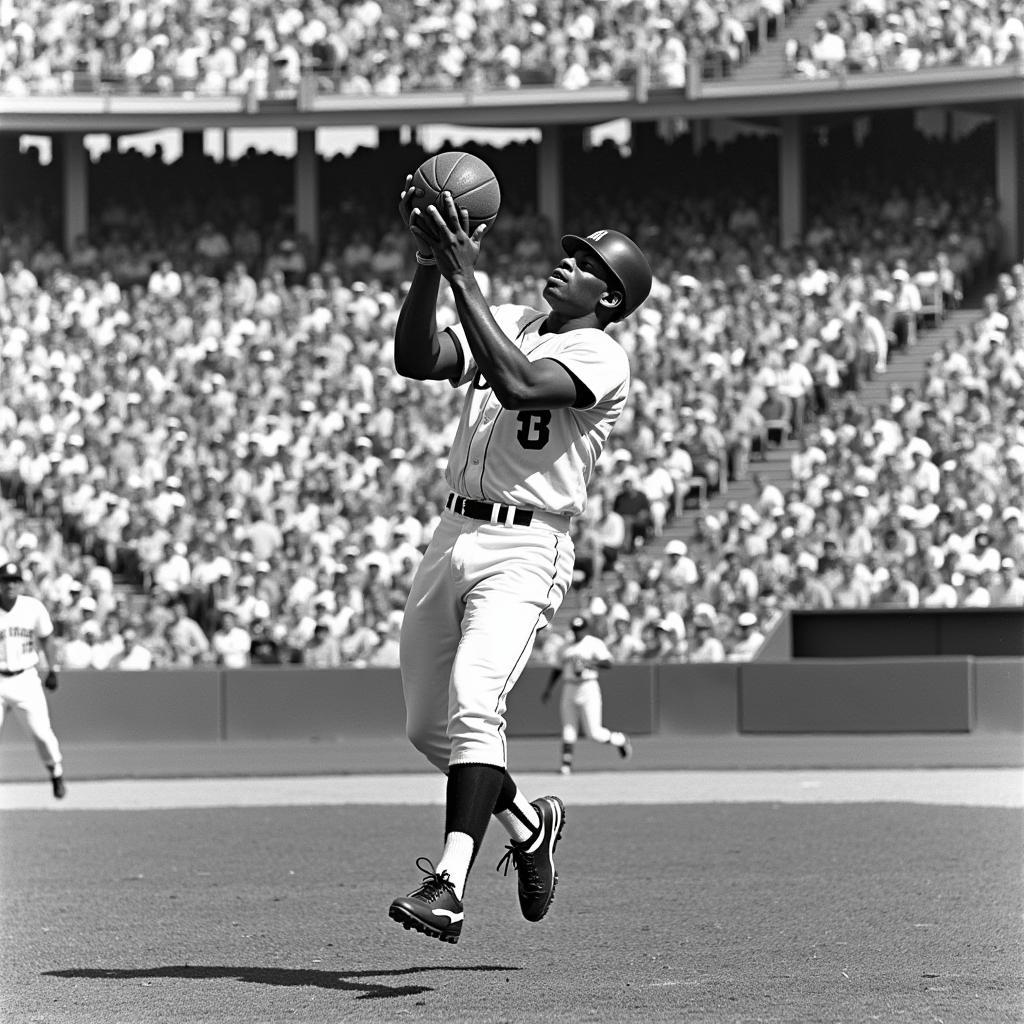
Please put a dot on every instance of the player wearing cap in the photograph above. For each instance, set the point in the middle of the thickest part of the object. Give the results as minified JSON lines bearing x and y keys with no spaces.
{"x":543,"y":390}
{"x":25,"y":626}
{"x":581,"y":704}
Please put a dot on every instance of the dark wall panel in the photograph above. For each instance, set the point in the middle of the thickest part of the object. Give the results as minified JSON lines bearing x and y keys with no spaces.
{"x":999,"y":686}
{"x":908,"y":633}
{"x":698,"y":699}
{"x":907,"y":695}
{"x":280,"y":702}
{"x":130,"y":707}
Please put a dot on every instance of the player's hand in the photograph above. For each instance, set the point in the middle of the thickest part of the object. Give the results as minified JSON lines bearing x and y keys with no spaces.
{"x":408,"y":196}
{"x":50,"y":682}
{"x":445,"y":233}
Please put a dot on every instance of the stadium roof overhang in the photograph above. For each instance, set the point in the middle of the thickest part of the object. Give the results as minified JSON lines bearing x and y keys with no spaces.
{"x":975,"y":88}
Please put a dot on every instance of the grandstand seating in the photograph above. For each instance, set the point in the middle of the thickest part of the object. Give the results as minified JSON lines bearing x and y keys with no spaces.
{"x":181,"y":392}
{"x":272,"y":47}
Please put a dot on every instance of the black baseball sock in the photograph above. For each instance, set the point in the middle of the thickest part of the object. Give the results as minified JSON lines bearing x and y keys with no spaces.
{"x":471,"y":794}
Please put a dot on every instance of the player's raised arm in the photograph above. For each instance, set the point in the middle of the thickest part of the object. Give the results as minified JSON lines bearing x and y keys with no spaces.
{"x":421,"y":353}
{"x":517,"y":382}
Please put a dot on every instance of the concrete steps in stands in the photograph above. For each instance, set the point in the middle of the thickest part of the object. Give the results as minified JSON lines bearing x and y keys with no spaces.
{"x":768,"y":62}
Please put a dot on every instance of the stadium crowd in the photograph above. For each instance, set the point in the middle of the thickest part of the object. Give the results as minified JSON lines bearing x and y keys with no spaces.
{"x":380,"y":47}
{"x":213,"y":461}
{"x":865,"y":36}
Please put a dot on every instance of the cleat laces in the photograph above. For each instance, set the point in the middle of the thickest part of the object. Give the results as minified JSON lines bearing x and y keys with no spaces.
{"x":526,"y":867}
{"x":434,"y":883}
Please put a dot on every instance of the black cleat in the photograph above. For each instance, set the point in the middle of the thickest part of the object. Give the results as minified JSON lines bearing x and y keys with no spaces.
{"x":626,"y":750}
{"x":433,"y":908}
{"x":534,"y":859}
{"x":59,"y":789}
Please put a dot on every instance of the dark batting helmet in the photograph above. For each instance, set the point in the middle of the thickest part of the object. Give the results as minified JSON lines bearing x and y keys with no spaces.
{"x":623,"y":258}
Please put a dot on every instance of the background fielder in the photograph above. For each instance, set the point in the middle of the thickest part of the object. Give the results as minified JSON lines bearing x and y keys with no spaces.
{"x":25,"y":626}
{"x":581,"y":702}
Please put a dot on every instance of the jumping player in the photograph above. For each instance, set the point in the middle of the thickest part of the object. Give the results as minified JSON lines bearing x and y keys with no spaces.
{"x":24,"y":624}
{"x":543,"y":391}
{"x":581,"y":658}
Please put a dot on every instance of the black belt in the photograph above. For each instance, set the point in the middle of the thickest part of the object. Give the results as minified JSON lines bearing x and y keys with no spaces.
{"x":506,"y":515}
{"x":16,"y":672}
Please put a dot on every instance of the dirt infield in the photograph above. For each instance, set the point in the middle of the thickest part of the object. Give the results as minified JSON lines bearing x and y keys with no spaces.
{"x":696,"y":913}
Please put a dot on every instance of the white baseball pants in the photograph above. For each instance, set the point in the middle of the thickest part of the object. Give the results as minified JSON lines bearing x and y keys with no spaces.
{"x":23,"y":694}
{"x":481,"y":593}
{"x":581,"y":707}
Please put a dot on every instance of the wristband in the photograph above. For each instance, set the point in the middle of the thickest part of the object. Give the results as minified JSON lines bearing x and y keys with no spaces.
{"x":425,"y":261}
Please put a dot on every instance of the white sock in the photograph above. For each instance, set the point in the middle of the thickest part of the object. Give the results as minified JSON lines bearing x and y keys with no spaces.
{"x":56,"y":770}
{"x":617,"y":739}
{"x":456,"y":859}
{"x":522,"y":822}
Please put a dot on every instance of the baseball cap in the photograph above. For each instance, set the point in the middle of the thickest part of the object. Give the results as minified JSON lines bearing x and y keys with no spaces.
{"x":747,"y":619}
{"x":579,"y":622}
{"x":9,"y":572}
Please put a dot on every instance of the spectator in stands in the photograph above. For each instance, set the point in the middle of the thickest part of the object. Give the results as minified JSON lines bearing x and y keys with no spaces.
{"x":906,"y":307}
{"x":231,"y":643}
{"x":705,"y":646}
{"x":135,"y":655}
{"x":1007,"y":590}
{"x":264,"y":648}
{"x":974,"y":592}
{"x":657,"y":486}
{"x":634,"y":508}
{"x":827,"y":49}
{"x":749,"y":638}
{"x":323,"y":650}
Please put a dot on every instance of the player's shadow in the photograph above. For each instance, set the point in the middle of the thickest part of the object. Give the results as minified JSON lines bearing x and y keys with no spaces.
{"x":347,"y":981}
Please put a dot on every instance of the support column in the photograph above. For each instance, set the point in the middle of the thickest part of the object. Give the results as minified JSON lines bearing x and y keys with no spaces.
{"x":75,"y":172}
{"x":791,"y":181}
{"x":549,"y":177}
{"x":699,"y":131}
{"x":307,"y":191}
{"x":192,"y":146}
{"x":1008,"y":181}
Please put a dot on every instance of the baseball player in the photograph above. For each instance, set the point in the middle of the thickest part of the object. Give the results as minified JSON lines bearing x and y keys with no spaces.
{"x":581,"y":693}
{"x":24,"y":626}
{"x":543,"y":390}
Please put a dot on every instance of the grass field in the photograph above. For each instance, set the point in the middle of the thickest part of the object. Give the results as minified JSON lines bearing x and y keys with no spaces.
{"x":706,"y":913}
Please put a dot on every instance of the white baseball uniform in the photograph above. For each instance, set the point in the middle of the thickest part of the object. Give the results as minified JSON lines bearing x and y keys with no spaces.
{"x":581,"y":703}
{"x":501,"y":559}
{"x":21,"y":689}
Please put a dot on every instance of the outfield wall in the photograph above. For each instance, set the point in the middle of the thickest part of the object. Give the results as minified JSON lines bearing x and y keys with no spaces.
{"x":911,"y":695}
{"x":890,"y":672}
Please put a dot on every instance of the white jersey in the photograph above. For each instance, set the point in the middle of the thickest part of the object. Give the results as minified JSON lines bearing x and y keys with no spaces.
{"x":537,"y":458}
{"x":27,"y":621}
{"x":580,"y":658}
